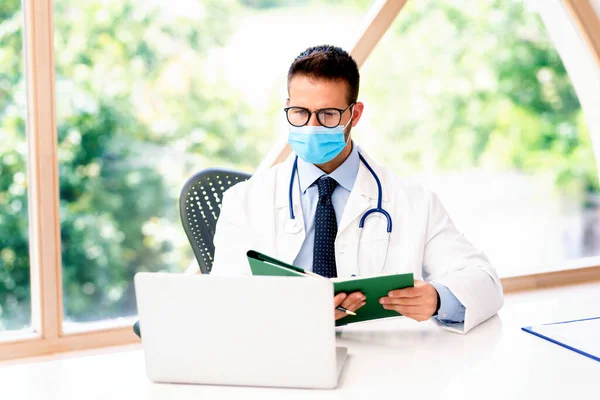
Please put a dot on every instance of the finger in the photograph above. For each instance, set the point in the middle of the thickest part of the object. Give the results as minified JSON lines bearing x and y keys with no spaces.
{"x":404,"y":309}
{"x":353,"y":299}
{"x":417,"y":317}
{"x":413,"y":312}
{"x":392,"y":308}
{"x":403,"y":301}
{"x":356,"y":295}
{"x":339,"y":315}
{"x":406,"y":292}
{"x":338,"y":299}
{"x":354,"y":306}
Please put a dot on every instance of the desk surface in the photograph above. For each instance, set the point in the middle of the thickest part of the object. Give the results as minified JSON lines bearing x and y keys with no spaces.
{"x":394,"y":359}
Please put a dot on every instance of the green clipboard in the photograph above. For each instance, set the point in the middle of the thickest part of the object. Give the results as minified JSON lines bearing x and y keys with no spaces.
{"x":373,"y":288}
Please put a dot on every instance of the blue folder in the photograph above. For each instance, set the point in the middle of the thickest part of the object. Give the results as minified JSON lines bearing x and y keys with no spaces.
{"x":568,"y":335}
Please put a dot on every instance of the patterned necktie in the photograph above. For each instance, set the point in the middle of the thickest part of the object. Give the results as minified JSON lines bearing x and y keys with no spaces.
{"x":325,"y":230}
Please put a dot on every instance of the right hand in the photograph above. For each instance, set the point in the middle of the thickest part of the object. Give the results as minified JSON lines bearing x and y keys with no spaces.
{"x":350,"y":302}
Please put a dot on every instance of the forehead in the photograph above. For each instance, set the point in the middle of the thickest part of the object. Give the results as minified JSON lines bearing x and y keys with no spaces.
{"x":314,"y":93}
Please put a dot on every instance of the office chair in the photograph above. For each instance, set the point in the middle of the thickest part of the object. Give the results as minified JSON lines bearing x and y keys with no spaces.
{"x":199,"y":209}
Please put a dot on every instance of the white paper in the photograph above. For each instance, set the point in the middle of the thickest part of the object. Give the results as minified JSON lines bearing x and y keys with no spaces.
{"x":581,"y":335}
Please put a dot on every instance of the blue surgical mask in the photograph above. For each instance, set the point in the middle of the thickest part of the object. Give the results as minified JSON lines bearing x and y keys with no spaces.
{"x":317,"y":144}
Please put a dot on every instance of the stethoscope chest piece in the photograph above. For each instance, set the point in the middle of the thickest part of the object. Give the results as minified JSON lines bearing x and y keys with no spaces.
{"x":292,"y":226}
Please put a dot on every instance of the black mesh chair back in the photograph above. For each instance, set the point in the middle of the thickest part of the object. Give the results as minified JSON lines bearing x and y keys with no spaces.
{"x":199,"y":209}
{"x":200,"y":206}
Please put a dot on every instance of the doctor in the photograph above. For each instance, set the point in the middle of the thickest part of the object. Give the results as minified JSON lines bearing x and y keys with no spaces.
{"x":329,"y":208}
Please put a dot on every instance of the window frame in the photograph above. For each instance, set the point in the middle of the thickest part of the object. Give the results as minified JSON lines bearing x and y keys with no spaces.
{"x":46,"y":335}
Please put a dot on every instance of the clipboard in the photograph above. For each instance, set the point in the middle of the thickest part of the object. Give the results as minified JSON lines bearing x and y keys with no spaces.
{"x":372,"y":287}
{"x":581,"y":336}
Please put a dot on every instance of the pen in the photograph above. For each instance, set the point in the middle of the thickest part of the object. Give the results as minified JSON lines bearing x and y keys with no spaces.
{"x":342,"y":309}
{"x":339,"y":308}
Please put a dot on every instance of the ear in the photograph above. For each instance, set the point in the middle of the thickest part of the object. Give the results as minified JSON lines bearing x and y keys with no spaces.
{"x":287,"y":103}
{"x":358,"y":109}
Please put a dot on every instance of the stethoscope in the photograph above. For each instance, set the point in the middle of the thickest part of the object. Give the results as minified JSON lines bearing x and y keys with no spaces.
{"x":292,"y":225}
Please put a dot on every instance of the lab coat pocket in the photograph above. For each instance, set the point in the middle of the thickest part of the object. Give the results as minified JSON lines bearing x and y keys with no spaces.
{"x":372,"y":256}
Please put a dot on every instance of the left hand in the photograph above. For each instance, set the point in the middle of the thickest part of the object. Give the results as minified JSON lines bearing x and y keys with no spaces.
{"x":419,"y":302}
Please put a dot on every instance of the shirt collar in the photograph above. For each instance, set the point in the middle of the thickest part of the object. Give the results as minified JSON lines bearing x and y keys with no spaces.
{"x":344,"y":175}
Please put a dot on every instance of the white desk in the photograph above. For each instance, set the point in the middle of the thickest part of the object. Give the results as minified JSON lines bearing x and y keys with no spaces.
{"x":387,"y":359}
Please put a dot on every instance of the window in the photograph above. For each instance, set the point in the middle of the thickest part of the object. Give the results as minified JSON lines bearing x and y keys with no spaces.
{"x":148,"y":93}
{"x":481,"y":110}
{"x":144,"y":95}
{"x":15,"y":300}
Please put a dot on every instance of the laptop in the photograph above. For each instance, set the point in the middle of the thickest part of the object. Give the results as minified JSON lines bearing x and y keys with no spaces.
{"x":247,"y":330}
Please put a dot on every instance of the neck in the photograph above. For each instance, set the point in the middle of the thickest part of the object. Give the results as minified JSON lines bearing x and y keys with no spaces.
{"x":332,"y":165}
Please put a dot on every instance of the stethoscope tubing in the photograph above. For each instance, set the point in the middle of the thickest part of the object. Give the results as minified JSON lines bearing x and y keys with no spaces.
{"x":361,"y":224}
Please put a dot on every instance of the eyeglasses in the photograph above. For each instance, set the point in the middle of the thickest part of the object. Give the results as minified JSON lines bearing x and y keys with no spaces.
{"x":327,"y":117}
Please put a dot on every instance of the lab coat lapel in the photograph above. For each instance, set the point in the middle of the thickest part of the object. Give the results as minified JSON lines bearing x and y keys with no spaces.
{"x":358,"y":201}
{"x":288,"y":243}
{"x":364,"y":194}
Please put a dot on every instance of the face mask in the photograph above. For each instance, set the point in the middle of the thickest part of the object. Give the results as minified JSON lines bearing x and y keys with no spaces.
{"x":317,"y":144}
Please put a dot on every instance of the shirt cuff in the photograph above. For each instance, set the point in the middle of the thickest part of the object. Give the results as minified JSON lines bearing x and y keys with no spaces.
{"x":451,"y":309}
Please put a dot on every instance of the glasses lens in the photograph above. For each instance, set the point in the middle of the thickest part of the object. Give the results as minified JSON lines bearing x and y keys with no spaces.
{"x":297,"y":116}
{"x":329,"y":117}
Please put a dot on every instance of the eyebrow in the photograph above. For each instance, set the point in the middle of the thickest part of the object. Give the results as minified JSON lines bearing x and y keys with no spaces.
{"x":318,"y":109}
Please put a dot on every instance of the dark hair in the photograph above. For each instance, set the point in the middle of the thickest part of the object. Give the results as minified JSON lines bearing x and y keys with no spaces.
{"x":329,"y":63}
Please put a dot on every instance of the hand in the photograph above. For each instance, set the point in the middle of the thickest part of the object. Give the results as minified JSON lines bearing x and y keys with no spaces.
{"x":350,"y":302}
{"x":419,"y":302}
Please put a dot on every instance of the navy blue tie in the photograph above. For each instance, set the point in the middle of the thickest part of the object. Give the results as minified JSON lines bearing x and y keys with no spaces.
{"x":325,"y":230}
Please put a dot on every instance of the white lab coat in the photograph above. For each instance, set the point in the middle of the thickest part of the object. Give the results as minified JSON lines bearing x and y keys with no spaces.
{"x":423,"y":241}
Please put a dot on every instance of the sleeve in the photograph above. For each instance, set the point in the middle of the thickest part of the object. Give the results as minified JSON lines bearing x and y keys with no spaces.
{"x":231,"y":238}
{"x":452,"y":261}
{"x":451,"y":309}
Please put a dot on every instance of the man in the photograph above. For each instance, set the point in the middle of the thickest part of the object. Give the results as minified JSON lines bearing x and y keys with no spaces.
{"x":332,"y":187}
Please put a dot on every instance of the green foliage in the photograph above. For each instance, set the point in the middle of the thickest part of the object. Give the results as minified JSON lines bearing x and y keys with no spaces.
{"x":119,"y":114}
{"x":105,"y":201}
{"x":454,"y":87}
{"x":487,"y":89}
{"x":116,"y":114}
{"x":14,"y":242}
